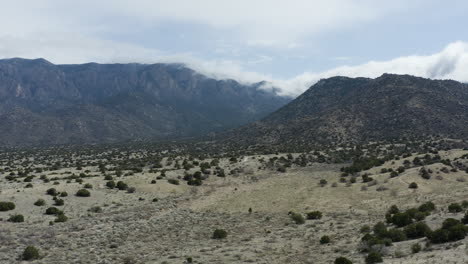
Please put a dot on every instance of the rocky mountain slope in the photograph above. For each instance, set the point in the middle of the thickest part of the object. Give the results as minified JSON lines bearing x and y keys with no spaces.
{"x":342,"y":109}
{"x":43,"y":103}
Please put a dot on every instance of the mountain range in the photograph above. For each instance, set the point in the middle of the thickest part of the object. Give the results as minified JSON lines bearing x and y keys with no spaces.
{"x":42,"y":103}
{"x":353,"y":110}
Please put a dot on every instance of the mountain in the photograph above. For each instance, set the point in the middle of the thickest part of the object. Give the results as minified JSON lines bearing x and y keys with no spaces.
{"x":353,"y":110}
{"x":44,"y":103}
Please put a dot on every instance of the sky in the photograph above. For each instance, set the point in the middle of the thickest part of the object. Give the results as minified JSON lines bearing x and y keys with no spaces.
{"x":290,"y":44}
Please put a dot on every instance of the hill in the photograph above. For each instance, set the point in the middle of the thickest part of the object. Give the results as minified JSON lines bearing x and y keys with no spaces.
{"x":353,"y":110}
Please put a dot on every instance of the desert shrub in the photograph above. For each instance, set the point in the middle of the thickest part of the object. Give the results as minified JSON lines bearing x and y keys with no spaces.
{"x":449,"y":222}
{"x":415,"y":248}
{"x":95,"y":209}
{"x":17,"y":218}
{"x":457,"y":232}
{"x":153,"y":181}
{"x":173,"y":181}
{"x":393,"y":174}
{"x":465,"y":219}
{"x":323,"y":182}
{"x":7,"y":206}
{"x":30,"y":253}
{"x":52,"y":191}
{"x":155,"y":200}
{"x":396,"y":235}
{"x":419,"y":216}
{"x":324,"y":240}
{"x":219,"y":234}
{"x":195,"y":182}
{"x":83,"y":193}
{"x":297,"y":218}
{"x":39,"y":202}
{"x":365,"y":229}
{"x":427,"y":207}
{"x":29,"y":185}
{"x":52,"y":211}
{"x":108,"y":178}
{"x":464,"y":204}
{"x":121,"y":185}
{"x":63,"y":194}
{"x":393,"y":210}
{"x":380,"y":230}
{"x":59,"y":202}
{"x":373,"y":257}
{"x":413,"y":185}
{"x":61,"y":218}
{"x":110,"y":184}
{"x":401,"y":219}
{"x":131,"y":189}
{"x":342,"y":260}
{"x":417,"y":230}
{"x":88,"y":186}
{"x":439,"y":236}
{"x":455,"y":208}
{"x":314,"y":215}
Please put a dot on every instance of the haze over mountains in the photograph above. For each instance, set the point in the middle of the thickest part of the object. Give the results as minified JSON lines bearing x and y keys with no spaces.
{"x":341,"y":109}
{"x":42,"y":103}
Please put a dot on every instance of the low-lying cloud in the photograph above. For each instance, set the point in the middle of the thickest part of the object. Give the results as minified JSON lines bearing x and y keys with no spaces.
{"x":450,"y":63}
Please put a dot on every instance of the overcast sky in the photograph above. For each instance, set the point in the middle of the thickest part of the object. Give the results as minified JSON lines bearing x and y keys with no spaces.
{"x":290,"y":43}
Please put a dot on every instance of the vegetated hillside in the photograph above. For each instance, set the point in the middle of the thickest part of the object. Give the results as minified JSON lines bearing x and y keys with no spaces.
{"x":43,"y":103}
{"x":353,"y":110}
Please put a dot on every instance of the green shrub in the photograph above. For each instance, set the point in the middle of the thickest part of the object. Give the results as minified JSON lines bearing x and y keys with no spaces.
{"x":297,"y":218}
{"x":83,"y":193}
{"x":449,"y":222}
{"x":108,"y":178}
{"x":30,"y":253}
{"x":455,"y":208}
{"x":417,"y":230}
{"x":457,"y":232}
{"x":16,"y":218}
{"x":415,"y":248}
{"x":52,"y":211}
{"x":59,"y":202}
{"x":402,"y":219}
{"x":396,"y":235}
{"x":110,"y":184}
{"x":7,"y":206}
{"x":121,"y":185}
{"x":439,"y":236}
{"x":219,"y":234}
{"x":63,"y":194}
{"x":61,"y":218}
{"x":342,"y":260}
{"x":40,"y":202}
{"x":393,"y":210}
{"x":427,"y":207}
{"x":373,"y":257}
{"x":88,"y":186}
{"x":51,"y":191}
{"x":413,"y":185}
{"x":465,"y":219}
{"x":380,"y":230}
{"x":314,"y":215}
{"x":324,"y":240}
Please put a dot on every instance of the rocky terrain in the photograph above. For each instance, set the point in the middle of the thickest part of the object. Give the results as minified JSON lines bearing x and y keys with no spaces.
{"x":42,"y":103}
{"x":171,"y":200}
{"x":355,"y":110}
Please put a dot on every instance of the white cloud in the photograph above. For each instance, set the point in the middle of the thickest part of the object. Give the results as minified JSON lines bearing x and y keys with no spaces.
{"x":450,"y":63}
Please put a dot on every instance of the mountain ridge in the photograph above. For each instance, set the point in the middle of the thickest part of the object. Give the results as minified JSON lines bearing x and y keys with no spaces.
{"x":44,"y":103}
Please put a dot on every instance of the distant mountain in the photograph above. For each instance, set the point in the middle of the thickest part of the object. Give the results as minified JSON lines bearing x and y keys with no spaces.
{"x":341,"y":109}
{"x":43,"y":103}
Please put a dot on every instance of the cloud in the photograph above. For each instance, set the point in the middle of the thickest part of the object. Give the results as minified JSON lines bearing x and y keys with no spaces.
{"x":450,"y":63}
